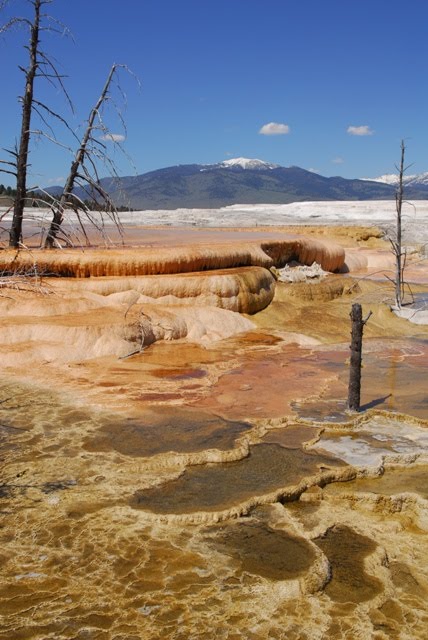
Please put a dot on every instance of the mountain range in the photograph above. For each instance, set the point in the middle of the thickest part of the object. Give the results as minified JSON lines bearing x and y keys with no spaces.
{"x":416,"y":180}
{"x":242,"y":181}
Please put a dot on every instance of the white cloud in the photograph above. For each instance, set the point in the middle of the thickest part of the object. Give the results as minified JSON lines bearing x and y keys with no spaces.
{"x":313,"y":170}
{"x":338,"y":160}
{"x":362,"y":130}
{"x":274,"y":129}
{"x":113,"y":137}
{"x":56,"y":181}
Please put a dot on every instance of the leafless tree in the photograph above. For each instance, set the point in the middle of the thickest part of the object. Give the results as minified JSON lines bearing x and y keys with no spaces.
{"x":83,"y":170}
{"x":92,"y":147}
{"x":39,"y":65}
{"x":396,"y":241}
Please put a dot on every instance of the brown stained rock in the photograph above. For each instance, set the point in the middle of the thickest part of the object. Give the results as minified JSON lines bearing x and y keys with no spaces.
{"x":220,"y":487}
{"x":170,"y":257}
{"x":346,"y":551}
{"x":178,"y":429}
{"x":78,"y":559}
{"x":263,"y":551}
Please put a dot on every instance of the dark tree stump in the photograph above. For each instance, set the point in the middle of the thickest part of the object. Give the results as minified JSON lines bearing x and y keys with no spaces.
{"x":354,"y":388}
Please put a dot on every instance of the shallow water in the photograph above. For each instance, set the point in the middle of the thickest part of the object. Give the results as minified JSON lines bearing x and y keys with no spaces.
{"x":378,"y":437}
{"x":263,"y":551}
{"x":394,"y":378}
{"x":291,"y":437}
{"x":92,"y":474}
{"x":217,"y":487}
{"x":346,"y":551}
{"x":181,"y":430}
{"x":421,"y":301}
{"x":88,"y":549}
{"x":413,"y":479}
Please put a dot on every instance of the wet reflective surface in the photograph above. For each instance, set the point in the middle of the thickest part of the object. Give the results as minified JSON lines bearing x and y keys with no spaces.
{"x":263,"y":551}
{"x":394,"y":378}
{"x":413,"y":479}
{"x":378,"y":437}
{"x":346,"y":551}
{"x":148,"y":497}
{"x":292,"y":436}
{"x":217,"y":487}
{"x":180,"y":430}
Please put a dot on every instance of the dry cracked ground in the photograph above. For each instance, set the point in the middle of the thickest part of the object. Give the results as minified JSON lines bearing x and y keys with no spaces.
{"x":177,"y":460}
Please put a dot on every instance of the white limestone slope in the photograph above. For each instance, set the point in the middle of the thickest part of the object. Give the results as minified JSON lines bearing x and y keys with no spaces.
{"x":368,"y":212}
{"x":339,"y":212}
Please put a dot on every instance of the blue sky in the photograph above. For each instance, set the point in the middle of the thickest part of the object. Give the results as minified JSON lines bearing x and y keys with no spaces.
{"x":345,"y":81}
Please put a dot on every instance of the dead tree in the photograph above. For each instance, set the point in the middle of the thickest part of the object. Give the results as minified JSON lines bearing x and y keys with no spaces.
{"x":397,"y":248}
{"x":396,"y":241}
{"x":39,"y":65}
{"x":21,"y":154}
{"x":89,"y":149}
{"x":354,"y":388}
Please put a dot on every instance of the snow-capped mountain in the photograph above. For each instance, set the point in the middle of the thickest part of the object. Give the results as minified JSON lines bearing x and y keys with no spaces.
{"x":242,"y":181}
{"x":388,"y":178}
{"x":392,"y":178}
{"x":247,"y":163}
{"x":241,"y":163}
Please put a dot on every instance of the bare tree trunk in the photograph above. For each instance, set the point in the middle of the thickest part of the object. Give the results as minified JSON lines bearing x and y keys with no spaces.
{"x":398,"y":239}
{"x":354,"y":388}
{"x":15,"y":236}
{"x":79,"y":158}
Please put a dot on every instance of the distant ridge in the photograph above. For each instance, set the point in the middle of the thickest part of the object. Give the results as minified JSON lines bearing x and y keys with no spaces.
{"x":240,"y":181}
{"x":417,"y":180}
{"x":245,"y":163}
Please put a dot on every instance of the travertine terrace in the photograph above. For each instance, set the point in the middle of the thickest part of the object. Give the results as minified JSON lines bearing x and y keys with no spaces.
{"x":177,"y":458}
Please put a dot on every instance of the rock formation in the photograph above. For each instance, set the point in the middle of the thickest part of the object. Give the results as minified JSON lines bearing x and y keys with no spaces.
{"x":213,"y":482}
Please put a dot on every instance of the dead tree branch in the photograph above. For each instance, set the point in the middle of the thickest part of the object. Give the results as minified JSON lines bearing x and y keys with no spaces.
{"x":40,"y":65}
{"x":354,"y":388}
{"x":396,"y":243}
{"x":24,"y":141}
{"x":87,"y":154}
